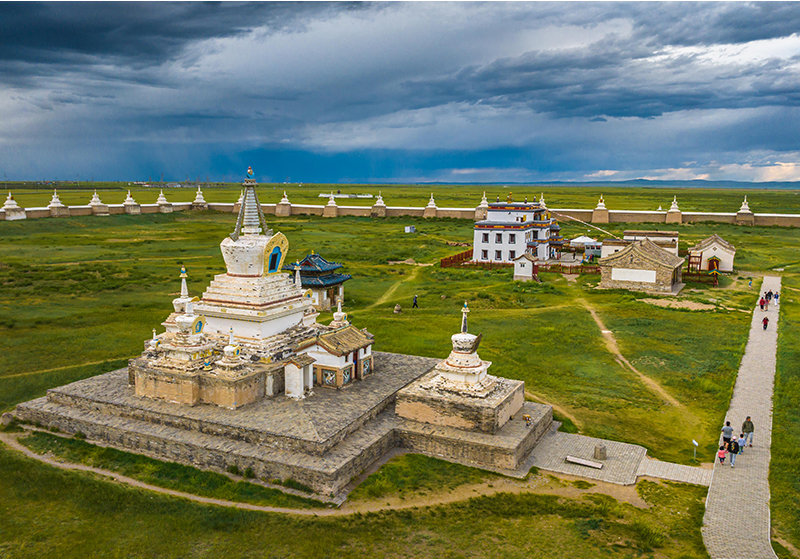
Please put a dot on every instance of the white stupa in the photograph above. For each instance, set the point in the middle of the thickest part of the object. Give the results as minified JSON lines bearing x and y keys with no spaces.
{"x":161,"y":198}
{"x":284,"y":199}
{"x":484,"y":203}
{"x":254,"y":296}
{"x":431,"y":202}
{"x":674,"y":206}
{"x":129,"y":199}
{"x":198,"y":199}
{"x":379,"y":201}
{"x":601,"y":204}
{"x":95,"y":201}
{"x":55,"y":202}
{"x":745,"y":206}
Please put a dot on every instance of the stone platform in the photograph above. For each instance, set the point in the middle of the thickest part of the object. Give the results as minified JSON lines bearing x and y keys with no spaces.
{"x":321,"y":441}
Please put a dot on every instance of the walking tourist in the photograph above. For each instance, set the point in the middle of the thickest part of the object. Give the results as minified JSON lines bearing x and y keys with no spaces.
{"x":733,"y":449}
{"x":750,"y":283}
{"x":762,"y":302}
{"x":727,"y":432}
{"x":765,"y":322}
{"x":721,"y":454}
{"x":766,"y":302}
{"x":742,"y":443}
{"x":777,"y":295}
{"x":748,"y":429}
{"x":415,"y":304}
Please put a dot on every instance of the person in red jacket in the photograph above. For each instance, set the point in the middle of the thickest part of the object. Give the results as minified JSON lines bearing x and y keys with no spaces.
{"x":765,"y":322}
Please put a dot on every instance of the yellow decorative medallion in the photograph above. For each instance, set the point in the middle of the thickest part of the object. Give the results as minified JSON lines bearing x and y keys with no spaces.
{"x":274,"y":253}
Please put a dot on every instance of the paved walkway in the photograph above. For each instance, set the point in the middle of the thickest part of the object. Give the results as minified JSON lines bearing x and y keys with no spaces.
{"x":625,"y":462}
{"x":737,"y":522}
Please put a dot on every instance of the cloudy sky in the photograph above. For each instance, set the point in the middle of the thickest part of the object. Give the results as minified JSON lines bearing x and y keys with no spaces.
{"x":462,"y":92}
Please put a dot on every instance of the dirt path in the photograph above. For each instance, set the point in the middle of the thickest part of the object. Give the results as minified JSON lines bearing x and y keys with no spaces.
{"x":542,"y":484}
{"x":393,"y":288}
{"x":557,"y":408}
{"x":66,"y":367}
{"x":611,"y":344}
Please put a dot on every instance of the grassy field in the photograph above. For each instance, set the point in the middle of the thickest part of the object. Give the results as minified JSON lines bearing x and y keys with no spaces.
{"x":64,"y":514}
{"x":783,"y":478}
{"x":79,"y":295}
{"x":557,"y":196}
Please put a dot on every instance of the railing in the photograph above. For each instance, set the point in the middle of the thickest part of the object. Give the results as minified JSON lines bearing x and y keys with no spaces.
{"x":702,"y":277}
{"x":571,"y":269}
{"x":456,"y":260}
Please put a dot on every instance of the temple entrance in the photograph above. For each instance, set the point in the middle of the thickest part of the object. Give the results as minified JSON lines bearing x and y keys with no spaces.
{"x":713,"y":263}
{"x":356,"y":371}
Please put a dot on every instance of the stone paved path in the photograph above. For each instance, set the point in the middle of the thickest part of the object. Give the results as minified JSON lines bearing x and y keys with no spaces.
{"x":738,"y":499}
{"x":672,"y":471}
{"x":626,"y":462}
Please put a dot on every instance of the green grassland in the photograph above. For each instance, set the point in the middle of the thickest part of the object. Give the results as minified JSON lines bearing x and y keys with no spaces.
{"x":460,"y":196}
{"x":66,"y":514}
{"x":783,"y":478}
{"x":80,"y":295}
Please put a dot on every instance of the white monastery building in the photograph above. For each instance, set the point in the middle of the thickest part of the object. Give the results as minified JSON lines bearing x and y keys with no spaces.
{"x":713,"y":253}
{"x":512,"y":229}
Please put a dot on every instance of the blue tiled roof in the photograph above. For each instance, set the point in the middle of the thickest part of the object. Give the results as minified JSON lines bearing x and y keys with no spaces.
{"x":313,"y":263}
{"x":323,"y":281}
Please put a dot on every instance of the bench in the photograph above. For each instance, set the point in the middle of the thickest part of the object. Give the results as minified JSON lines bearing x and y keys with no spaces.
{"x":584,"y":462}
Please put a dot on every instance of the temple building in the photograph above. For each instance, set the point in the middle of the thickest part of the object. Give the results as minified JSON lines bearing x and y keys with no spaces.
{"x":513,"y":228}
{"x":319,"y":276}
{"x":712,"y":253}
{"x":642,"y":266}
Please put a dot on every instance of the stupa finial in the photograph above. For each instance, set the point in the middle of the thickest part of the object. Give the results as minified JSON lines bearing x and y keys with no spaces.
{"x":184,"y":288}
{"x":251,"y":218}
{"x":297,"y":280}
{"x":464,"y":312}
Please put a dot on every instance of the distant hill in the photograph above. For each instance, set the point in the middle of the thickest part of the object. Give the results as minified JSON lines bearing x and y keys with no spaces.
{"x":697,"y":183}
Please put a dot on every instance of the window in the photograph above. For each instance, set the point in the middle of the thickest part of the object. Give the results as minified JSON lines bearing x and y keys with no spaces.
{"x":511,"y":255}
{"x":498,"y":238}
{"x":484,"y":255}
{"x":498,"y":255}
{"x":512,"y":237}
{"x":486,"y":238}
{"x":522,"y":265}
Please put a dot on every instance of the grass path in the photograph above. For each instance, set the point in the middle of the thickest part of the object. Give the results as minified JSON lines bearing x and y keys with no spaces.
{"x":561,"y":410}
{"x":24,"y":374}
{"x":393,"y":288}
{"x":462,"y":493}
{"x":613,"y":347}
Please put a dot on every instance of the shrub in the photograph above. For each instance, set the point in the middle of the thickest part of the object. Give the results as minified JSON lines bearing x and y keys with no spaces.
{"x":79,"y":435}
{"x":234,"y":469}
{"x":249,"y":472}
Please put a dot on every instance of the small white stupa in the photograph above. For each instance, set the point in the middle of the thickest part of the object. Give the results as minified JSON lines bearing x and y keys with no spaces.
{"x":13,"y":210}
{"x":541,"y":201}
{"x":601,"y":204}
{"x":97,"y":206}
{"x":57,"y":208}
{"x":130,"y":205}
{"x":431,"y":202}
{"x":161,"y":198}
{"x":95,"y":201}
{"x":674,"y":206}
{"x":379,"y":201}
{"x":285,"y":199}
{"x":198,"y":199}
{"x":484,"y":203}
{"x":331,"y":200}
{"x":745,"y":206}
{"x":55,"y":202}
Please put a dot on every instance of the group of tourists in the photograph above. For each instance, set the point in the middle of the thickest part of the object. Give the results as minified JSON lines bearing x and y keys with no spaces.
{"x":764,"y":302}
{"x":733,"y":446}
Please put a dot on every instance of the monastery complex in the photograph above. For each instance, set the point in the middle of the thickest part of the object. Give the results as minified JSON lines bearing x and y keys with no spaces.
{"x":244,"y":375}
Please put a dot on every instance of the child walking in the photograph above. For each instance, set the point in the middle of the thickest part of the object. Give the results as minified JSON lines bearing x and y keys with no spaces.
{"x":721,"y":454}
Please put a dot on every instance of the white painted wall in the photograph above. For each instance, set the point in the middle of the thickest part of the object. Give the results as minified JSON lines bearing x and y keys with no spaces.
{"x":633,"y":275}
{"x":725,"y":258}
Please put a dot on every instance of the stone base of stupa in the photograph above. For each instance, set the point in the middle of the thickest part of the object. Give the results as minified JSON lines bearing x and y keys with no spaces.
{"x":504,"y":451}
{"x":218,"y":387}
{"x":322,"y":441}
{"x":482,"y":407}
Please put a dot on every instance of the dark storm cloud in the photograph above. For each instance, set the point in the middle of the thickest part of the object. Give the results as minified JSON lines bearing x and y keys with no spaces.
{"x":559,"y":85}
{"x":136,"y":33}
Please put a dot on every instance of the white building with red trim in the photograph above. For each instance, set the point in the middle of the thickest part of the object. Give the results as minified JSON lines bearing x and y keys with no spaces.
{"x":512,"y":229}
